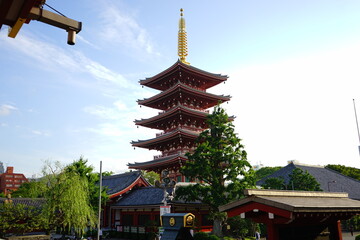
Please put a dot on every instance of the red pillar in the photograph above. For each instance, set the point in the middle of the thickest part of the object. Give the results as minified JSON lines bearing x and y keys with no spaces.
{"x":272,"y":232}
{"x":336,"y":229}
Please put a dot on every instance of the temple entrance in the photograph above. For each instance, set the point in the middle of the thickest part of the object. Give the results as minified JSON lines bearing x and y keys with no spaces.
{"x":296,"y":214}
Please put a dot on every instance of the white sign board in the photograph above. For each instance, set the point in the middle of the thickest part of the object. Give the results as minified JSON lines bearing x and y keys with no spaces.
{"x":164,"y":210}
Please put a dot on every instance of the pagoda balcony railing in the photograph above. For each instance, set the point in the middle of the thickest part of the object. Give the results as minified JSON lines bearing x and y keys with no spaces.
{"x":183,"y":151}
{"x":189,"y":128}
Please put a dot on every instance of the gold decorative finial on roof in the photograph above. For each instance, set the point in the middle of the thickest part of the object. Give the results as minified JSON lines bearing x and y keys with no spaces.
{"x":182,"y":39}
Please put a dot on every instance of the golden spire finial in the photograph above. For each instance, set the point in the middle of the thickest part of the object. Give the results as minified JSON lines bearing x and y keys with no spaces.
{"x":182,"y":39}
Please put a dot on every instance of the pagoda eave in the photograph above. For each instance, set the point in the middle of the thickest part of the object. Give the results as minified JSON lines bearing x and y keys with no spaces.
{"x":178,"y":93}
{"x":164,"y":162}
{"x":211,"y":78}
{"x":167,"y":116}
{"x":179,"y":135}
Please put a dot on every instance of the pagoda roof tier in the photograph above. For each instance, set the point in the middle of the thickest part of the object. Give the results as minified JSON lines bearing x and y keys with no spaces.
{"x":184,"y":73}
{"x":178,"y":114}
{"x":160,"y":163}
{"x":179,"y":137}
{"x":185,"y":95}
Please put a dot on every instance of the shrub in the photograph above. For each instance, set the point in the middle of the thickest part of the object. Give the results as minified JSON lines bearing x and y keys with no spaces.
{"x":213,"y":237}
{"x":201,"y":236}
{"x":357,"y":237}
{"x":205,"y":236}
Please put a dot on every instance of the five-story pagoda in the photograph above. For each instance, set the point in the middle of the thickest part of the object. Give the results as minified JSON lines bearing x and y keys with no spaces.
{"x":183,"y":101}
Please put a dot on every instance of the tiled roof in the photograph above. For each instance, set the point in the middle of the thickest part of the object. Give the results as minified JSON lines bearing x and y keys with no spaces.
{"x":327,"y":178}
{"x":186,"y":66}
{"x":36,"y":202}
{"x":142,"y":196}
{"x":119,"y":182}
{"x":299,"y":201}
{"x":157,"y":161}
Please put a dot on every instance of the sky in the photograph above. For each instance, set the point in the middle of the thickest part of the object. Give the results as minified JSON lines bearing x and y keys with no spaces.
{"x":293,"y":70}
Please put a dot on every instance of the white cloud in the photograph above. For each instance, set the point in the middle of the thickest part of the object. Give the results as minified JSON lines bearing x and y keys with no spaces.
{"x":40,"y":133}
{"x":120,"y":105}
{"x":6,"y":109}
{"x":121,"y":28}
{"x":108,"y":129}
{"x":52,"y":57}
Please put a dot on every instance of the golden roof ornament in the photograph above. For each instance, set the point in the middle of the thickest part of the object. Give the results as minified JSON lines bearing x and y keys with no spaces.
{"x":182,"y":39}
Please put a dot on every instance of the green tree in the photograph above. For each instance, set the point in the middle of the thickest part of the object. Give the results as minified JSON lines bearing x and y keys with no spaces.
{"x":302,"y":180}
{"x":298,"y":180}
{"x":347,"y":171}
{"x":151,"y":176}
{"x":275,"y":183}
{"x":86,"y":172}
{"x":68,"y":204}
{"x":20,"y":218}
{"x":219,"y":165}
{"x":265,"y":171}
{"x":35,"y":189}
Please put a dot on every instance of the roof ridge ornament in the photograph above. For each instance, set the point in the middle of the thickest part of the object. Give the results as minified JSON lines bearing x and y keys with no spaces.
{"x":182,"y":39}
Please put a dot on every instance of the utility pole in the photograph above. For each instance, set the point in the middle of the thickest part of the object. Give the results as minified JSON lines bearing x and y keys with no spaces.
{"x":357,"y":124}
{"x":99,"y":213}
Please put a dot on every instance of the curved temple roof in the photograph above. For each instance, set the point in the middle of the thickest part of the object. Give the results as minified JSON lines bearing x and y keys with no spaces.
{"x":157,"y":163}
{"x":177,"y":134}
{"x":154,"y":101}
{"x":210,"y":79}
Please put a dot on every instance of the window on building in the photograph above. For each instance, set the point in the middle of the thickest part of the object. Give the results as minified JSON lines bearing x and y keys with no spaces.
{"x":17,"y":180}
{"x":178,"y":178}
{"x":9,"y":176}
{"x":17,"y":185}
{"x":18,"y":176}
{"x":143,"y":219}
{"x":127,"y":220}
{"x":9,"y":185}
{"x":8,"y":180}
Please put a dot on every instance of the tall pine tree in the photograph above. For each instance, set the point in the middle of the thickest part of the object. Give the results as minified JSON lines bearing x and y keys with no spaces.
{"x":218,"y":166}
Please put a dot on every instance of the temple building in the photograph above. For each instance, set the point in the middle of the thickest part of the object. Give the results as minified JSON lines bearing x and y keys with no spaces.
{"x":183,"y":102}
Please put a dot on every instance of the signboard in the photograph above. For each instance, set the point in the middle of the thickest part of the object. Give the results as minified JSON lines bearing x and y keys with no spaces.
{"x":164,"y":210}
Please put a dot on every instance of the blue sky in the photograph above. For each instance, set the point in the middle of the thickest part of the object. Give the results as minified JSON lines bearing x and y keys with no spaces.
{"x":293,"y":71}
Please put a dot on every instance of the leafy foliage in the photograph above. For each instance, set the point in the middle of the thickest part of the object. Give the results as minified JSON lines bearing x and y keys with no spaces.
{"x":71,"y":195}
{"x":218,"y":164}
{"x":34,"y":189}
{"x":20,"y":218}
{"x":151,"y":176}
{"x":302,"y":180}
{"x":67,"y":201}
{"x":86,"y":172}
{"x":347,"y":171}
{"x":275,"y":183}
{"x":265,"y":171}
{"x":298,"y":180}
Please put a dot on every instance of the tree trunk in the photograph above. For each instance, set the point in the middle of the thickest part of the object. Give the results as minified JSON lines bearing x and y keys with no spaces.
{"x":217,"y":228}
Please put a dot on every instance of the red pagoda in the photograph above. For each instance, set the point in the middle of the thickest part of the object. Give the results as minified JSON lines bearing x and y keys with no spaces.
{"x":183,"y":102}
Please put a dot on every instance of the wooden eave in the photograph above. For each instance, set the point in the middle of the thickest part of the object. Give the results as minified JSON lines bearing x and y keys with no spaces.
{"x":290,"y":204}
{"x":11,"y":11}
{"x":140,"y":181}
{"x":158,"y":163}
{"x":167,"y":137}
{"x":211,"y":79}
{"x":212,"y":99}
{"x":174,"y":112}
